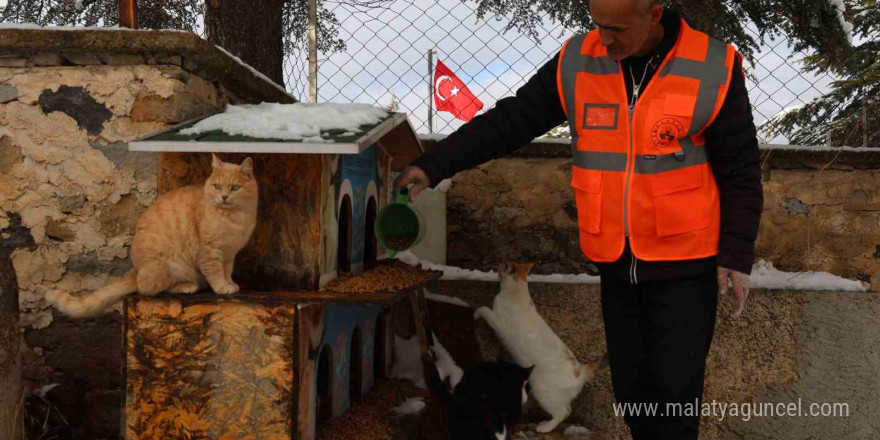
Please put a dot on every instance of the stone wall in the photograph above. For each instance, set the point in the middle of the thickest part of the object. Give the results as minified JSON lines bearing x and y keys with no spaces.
{"x":65,"y":170}
{"x":821,"y":212}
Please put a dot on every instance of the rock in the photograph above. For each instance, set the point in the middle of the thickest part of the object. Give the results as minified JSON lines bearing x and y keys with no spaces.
{"x":8,"y":93}
{"x":145,"y":165}
{"x":56,"y":230}
{"x":10,"y":155}
{"x":794,"y":207}
{"x":122,"y":217}
{"x":122,"y":59}
{"x":79,"y":105}
{"x":81,"y":59}
{"x":171,"y":60}
{"x":13,"y":62}
{"x":90,"y":264}
{"x":174,"y":109}
{"x":71,"y":204}
{"x":47,"y":59}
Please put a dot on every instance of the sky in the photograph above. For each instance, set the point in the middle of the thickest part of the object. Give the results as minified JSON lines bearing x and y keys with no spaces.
{"x":387,"y":52}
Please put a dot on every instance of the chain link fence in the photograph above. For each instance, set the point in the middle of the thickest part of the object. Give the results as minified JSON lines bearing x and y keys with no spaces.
{"x":385,"y":60}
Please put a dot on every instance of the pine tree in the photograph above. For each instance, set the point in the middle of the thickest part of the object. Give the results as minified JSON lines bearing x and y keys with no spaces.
{"x":848,"y":115}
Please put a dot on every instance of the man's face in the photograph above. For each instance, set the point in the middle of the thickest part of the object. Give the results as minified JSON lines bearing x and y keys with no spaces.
{"x":624,"y":25}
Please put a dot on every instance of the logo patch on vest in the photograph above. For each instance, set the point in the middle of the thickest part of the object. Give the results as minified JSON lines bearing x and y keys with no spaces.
{"x":666,"y":131}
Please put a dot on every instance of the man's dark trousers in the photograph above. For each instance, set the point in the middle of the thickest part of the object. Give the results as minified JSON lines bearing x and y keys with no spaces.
{"x":658,"y":335}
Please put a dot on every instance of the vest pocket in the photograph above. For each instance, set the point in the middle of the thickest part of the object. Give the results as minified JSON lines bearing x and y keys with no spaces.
{"x":680,"y":203}
{"x":587,"y":186}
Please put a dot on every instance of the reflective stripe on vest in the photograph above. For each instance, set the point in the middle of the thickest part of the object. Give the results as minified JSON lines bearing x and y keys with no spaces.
{"x":572,"y":63}
{"x":711,"y":73}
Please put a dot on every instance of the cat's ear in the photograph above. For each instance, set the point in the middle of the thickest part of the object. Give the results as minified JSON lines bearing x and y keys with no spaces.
{"x":522,"y":270}
{"x":216,"y":163}
{"x":505,"y":270}
{"x":247,"y":168}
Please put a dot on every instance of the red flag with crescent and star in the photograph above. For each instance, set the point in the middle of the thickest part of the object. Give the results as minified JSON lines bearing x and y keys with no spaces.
{"x":451,"y":95}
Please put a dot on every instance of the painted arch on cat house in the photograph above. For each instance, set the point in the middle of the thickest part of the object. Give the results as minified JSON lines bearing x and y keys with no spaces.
{"x":325,"y":170}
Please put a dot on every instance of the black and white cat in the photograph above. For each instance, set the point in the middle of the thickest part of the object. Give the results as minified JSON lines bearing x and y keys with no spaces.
{"x":486,"y":404}
{"x":558,"y":376}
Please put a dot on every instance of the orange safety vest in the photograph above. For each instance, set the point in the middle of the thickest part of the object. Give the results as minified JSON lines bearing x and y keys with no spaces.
{"x":645,"y":175}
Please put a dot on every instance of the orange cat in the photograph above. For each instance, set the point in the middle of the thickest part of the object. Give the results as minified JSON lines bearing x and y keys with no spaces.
{"x":188,"y":235}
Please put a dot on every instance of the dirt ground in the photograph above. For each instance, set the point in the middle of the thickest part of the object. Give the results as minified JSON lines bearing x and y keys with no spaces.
{"x":816,"y":347}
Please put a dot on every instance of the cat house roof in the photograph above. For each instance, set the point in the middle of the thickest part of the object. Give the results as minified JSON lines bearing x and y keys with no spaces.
{"x":299,"y":128}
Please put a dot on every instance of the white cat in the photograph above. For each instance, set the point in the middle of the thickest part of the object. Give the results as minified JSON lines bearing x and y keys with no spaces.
{"x":558,"y":377}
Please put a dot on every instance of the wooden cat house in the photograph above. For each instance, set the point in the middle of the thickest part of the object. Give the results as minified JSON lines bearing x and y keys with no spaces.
{"x":312,"y":328}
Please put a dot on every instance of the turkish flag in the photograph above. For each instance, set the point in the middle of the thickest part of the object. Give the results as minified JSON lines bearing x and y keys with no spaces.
{"x":451,"y":95}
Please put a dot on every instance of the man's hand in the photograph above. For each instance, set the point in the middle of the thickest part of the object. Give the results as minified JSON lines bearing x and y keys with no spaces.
{"x":415,"y":176}
{"x":741,"y":284}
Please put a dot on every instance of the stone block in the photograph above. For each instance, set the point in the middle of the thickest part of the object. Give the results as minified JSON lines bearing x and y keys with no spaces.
{"x":77,"y":103}
{"x":71,"y":204}
{"x":145,"y":165}
{"x":57,"y":230}
{"x":91,"y":264}
{"x":122,"y":59}
{"x":121,"y":218}
{"x":8,"y":93}
{"x":81,"y":58}
{"x":13,"y":62}
{"x":47,"y":59}
{"x":177,"y":108}
{"x":10,"y":155}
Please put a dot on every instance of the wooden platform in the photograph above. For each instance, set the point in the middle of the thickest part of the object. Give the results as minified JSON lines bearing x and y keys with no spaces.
{"x":255,"y":365}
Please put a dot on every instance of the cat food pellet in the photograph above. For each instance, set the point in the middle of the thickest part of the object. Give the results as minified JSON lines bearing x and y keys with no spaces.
{"x":400,"y":242}
{"x":387,"y":277}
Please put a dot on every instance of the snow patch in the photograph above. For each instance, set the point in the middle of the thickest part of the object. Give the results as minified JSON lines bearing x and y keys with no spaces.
{"x":297,"y":121}
{"x":414,"y":405}
{"x":576,"y":431}
{"x":446,"y":299}
{"x":765,"y":276}
{"x":452,"y":273}
{"x":256,"y":72}
{"x":408,"y":361}
{"x":840,"y":9}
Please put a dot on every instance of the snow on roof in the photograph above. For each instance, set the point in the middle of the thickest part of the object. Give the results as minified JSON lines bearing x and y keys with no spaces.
{"x":290,"y":121}
{"x":764,"y":276}
{"x":254,"y":71}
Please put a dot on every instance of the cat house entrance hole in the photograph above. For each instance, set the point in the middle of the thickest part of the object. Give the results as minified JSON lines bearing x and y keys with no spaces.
{"x":370,"y":248}
{"x":325,"y":385}
{"x":343,"y":251}
{"x":379,"y":348}
{"x":356,"y":377}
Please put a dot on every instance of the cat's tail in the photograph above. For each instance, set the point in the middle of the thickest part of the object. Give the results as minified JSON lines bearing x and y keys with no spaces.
{"x":591,"y":368}
{"x":95,"y":303}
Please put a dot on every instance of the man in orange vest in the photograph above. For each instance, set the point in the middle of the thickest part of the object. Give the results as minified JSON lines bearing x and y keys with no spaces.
{"x":667,"y":182}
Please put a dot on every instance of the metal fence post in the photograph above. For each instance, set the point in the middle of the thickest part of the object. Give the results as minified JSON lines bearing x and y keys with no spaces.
{"x":313,"y":51}
{"x":128,"y":14}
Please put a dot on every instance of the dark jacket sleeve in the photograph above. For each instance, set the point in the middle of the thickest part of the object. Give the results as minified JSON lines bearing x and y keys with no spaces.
{"x":732,"y":148}
{"x":511,"y":124}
